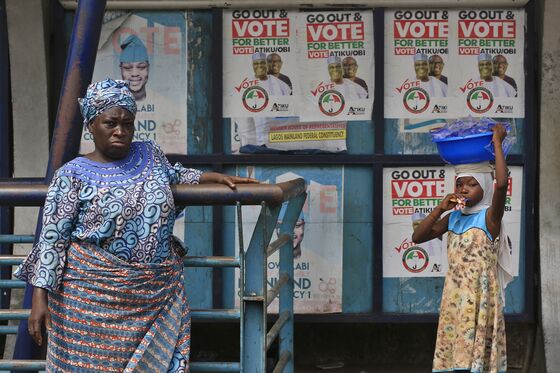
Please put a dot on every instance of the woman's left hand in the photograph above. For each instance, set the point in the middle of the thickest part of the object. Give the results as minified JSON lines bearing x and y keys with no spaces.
{"x":229,"y":180}
{"x":232,"y":181}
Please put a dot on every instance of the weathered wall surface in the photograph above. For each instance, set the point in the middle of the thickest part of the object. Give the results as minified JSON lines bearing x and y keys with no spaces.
{"x":549,"y":180}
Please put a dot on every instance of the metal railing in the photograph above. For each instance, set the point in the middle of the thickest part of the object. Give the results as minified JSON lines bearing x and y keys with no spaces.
{"x":255,"y":341}
{"x":252,"y":262}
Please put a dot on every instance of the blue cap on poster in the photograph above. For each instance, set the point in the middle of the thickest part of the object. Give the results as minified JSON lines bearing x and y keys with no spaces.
{"x":420,"y":57}
{"x":258,"y":56}
{"x":133,"y":50}
{"x":333,"y":59}
{"x":484,"y":57}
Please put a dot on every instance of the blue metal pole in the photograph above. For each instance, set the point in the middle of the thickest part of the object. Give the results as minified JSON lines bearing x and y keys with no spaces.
{"x":286,"y":301}
{"x":254,"y":295}
{"x":68,"y":128}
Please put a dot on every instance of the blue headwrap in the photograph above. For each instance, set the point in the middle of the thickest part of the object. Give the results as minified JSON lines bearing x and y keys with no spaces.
{"x":104,"y":95}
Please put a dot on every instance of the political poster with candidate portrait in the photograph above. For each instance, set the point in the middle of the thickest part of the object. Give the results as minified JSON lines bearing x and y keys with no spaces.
{"x":409,"y":195}
{"x":417,"y":61}
{"x":336,"y":65}
{"x":259,"y":64}
{"x":149,"y":50}
{"x":489,"y":46}
{"x":317,"y":238}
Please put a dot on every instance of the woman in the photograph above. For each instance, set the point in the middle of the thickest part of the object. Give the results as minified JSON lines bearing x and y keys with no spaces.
{"x":106,"y":261}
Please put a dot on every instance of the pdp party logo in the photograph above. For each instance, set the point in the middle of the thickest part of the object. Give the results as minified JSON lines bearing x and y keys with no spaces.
{"x":415,"y":259}
{"x":416,"y":100}
{"x":331,"y":102}
{"x":480,"y":100}
{"x":255,"y":99}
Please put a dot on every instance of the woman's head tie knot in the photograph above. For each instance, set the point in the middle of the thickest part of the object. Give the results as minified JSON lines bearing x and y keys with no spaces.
{"x":104,"y":95}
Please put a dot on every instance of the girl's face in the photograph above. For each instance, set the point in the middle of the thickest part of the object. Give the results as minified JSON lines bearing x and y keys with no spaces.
{"x":470,"y":189}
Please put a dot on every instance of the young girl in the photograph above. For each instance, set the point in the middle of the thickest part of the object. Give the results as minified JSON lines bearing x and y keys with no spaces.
{"x":471,"y":331}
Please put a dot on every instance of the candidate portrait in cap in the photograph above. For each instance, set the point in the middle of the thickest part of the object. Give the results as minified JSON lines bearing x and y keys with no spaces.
{"x":273,"y":85}
{"x":260,"y":68}
{"x":485,"y":66}
{"x":498,"y":87}
{"x":335,"y":69}
{"x":135,"y":65}
{"x":421,"y":67}
{"x":433,"y":86}
{"x":348,"y":88}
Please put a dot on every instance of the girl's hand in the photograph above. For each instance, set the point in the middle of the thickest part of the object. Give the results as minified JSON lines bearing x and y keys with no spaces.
{"x":451,"y":201}
{"x":231,"y":181}
{"x":499,"y":135}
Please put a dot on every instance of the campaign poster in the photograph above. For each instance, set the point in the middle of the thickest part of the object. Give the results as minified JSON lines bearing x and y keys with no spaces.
{"x":259,"y":63}
{"x":489,"y":46}
{"x":149,"y":50}
{"x":317,"y":239}
{"x":416,"y":55}
{"x":409,"y":195}
{"x":336,"y":65}
{"x":287,"y":134}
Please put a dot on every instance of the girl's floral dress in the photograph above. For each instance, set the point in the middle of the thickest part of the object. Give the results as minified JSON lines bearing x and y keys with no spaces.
{"x":471,"y":331}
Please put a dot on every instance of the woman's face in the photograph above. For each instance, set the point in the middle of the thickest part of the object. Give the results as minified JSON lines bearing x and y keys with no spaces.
{"x":112,"y":132}
{"x":470,"y":189}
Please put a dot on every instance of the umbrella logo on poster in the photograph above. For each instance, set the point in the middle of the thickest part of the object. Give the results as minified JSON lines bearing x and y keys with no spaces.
{"x":415,"y":259}
{"x":331,"y":103}
{"x":255,"y":99}
{"x":416,"y":100}
{"x":480,"y":100}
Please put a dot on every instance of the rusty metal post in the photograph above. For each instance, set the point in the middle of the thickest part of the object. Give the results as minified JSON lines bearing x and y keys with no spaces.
{"x":68,"y":128}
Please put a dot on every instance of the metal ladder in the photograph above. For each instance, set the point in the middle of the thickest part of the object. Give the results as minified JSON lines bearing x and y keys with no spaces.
{"x":255,"y":340}
{"x":254,"y":298}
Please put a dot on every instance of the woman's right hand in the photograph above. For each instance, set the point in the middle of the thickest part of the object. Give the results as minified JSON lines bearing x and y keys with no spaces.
{"x":39,"y":316}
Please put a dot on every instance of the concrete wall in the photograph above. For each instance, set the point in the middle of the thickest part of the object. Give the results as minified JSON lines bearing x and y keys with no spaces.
{"x":549,"y":180}
{"x":29,"y":99}
{"x":28,"y":70}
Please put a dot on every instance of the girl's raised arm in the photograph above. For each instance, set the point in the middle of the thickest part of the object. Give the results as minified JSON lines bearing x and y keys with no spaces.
{"x":496,"y":210}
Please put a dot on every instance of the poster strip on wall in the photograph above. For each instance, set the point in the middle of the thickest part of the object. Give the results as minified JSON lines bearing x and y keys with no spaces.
{"x":409,"y":195}
{"x":149,"y":50}
{"x":317,"y":240}
{"x":259,"y":64}
{"x":287,"y":135}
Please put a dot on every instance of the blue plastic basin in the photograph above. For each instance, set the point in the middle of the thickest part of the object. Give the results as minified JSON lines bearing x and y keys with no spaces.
{"x":468,"y":149}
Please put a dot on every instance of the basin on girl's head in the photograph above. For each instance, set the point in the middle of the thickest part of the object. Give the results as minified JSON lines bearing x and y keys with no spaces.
{"x":468,"y":149}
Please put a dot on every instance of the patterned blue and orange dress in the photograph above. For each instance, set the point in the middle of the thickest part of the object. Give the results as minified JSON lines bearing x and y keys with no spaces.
{"x":471,"y":331}
{"x":114,"y":273}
